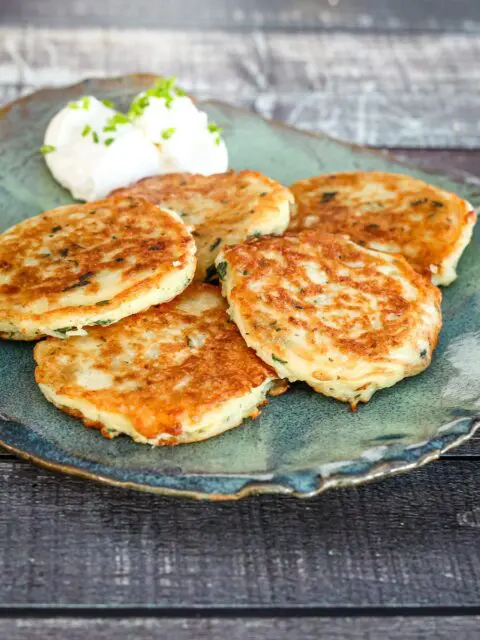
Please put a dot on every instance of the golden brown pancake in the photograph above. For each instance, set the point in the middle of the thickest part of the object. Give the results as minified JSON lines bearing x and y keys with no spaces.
{"x":389,"y":212}
{"x":176,"y":373}
{"x":225,"y":208}
{"x":320,"y":308}
{"x":90,"y":264}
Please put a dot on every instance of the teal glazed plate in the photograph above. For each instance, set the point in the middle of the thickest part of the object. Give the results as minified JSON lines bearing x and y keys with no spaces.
{"x":303,"y":443}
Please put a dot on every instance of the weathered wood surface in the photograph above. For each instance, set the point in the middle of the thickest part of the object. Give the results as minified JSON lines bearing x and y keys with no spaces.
{"x":417,"y":90}
{"x":361,"y":15}
{"x":411,"y":541}
{"x":395,"y":628}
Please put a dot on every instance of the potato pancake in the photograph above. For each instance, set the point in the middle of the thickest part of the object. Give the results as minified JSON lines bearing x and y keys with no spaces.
{"x":224,"y":208}
{"x":319,"y":308}
{"x":90,"y":264}
{"x":389,"y":212}
{"x":176,"y":373}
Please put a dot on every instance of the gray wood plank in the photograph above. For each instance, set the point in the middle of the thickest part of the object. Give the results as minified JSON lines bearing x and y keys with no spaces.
{"x":394,"y":628}
{"x":361,"y":15}
{"x":407,"y":541}
{"x":385,"y":90}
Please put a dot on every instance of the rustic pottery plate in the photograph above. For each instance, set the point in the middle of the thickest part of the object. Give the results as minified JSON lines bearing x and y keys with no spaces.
{"x":303,"y":443}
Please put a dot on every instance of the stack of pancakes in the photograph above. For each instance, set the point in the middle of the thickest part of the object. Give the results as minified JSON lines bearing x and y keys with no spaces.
{"x":332,"y":282}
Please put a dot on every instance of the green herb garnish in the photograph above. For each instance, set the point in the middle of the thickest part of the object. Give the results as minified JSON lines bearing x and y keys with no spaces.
{"x":416,"y":203}
{"x":47,"y":148}
{"x":215,"y":244}
{"x":163,"y":88}
{"x":214,"y":128}
{"x":277,"y":359}
{"x":109,"y":141}
{"x":211,"y":275}
{"x":81,"y":103}
{"x":222,"y":270}
{"x":64,"y":330}
{"x":95,"y":137}
{"x":108,"y":103}
{"x":436,"y":203}
{"x":83,"y":281}
{"x":101,"y":323}
{"x":86,"y":130}
{"x":168,"y":133}
{"x":327,"y":196}
{"x":102,"y":303}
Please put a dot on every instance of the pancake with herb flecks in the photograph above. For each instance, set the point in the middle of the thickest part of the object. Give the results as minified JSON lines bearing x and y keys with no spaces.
{"x":320,"y":308}
{"x":223,"y":209}
{"x":90,"y":264}
{"x":176,"y":373}
{"x":389,"y":212}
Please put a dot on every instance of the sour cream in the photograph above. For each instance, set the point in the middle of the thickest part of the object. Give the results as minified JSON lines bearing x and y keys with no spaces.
{"x":90,"y":161}
{"x":92,"y":149}
{"x":185,"y":140}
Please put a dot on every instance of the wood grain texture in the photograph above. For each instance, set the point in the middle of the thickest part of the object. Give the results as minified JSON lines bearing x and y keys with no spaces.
{"x":408,"y":541}
{"x":395,"y":628}
{"x":397,"y":90}
{"x":361,"y":15}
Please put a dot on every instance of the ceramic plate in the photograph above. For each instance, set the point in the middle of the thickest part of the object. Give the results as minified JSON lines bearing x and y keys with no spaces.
{"x":303,"y":443}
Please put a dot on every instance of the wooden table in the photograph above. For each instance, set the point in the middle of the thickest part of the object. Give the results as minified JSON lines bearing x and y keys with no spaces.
{"x":397,"y":559}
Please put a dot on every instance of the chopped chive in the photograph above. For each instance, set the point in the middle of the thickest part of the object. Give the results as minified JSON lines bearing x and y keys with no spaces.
{"x":109,"y":141}
{"x":327,"y":196}
{"x":211,"y":274}
{"x":95,"y":137}
{"x":108,"y":103}
{"x":85,"y":102}
{"x":47,"y":148}
{"x":102,"y":303}
{"x":214,"y":128}
{"x":73,"y":105}
{"x":277,"y":359}
{"x":222,"y":270}
{"x":215,"y":244}
{"x":64,"y":330}
{"x":86,"y":130}
{"x":168,"y":133}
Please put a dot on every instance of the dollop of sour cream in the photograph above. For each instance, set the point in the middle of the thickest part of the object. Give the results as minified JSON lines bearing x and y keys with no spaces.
{"x":183,"y":136}
{"x":92,"y":149}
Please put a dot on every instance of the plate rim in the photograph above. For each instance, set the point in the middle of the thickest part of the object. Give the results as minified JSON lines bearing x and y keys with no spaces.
{"x":377,"y":470}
